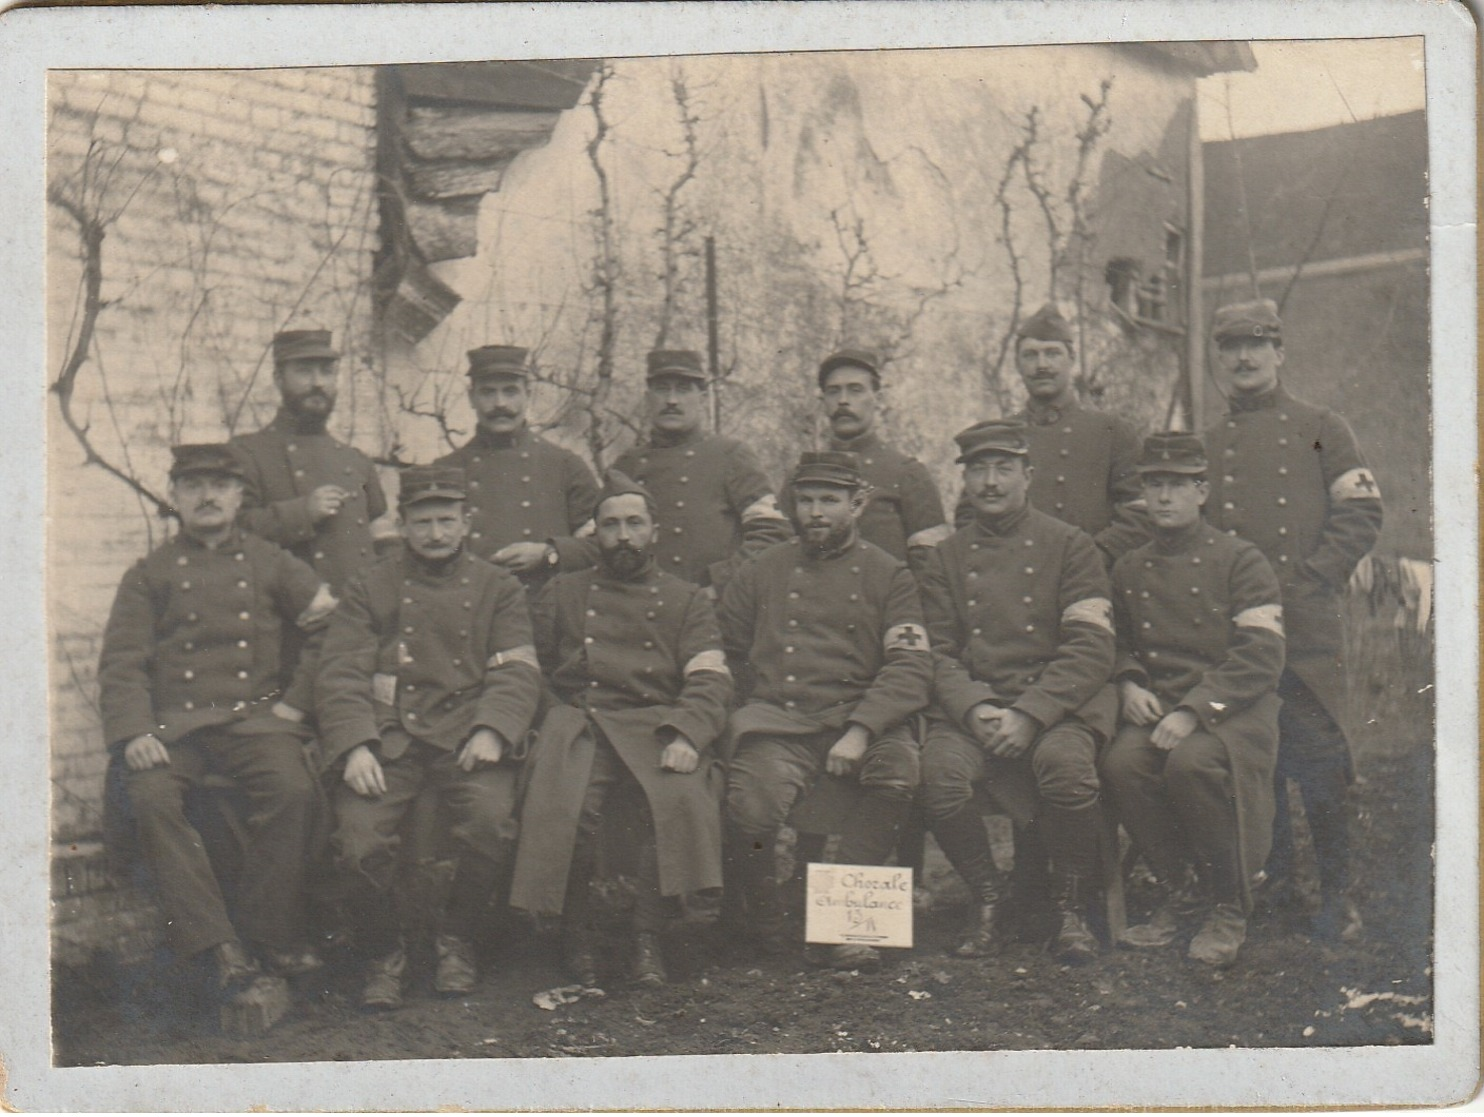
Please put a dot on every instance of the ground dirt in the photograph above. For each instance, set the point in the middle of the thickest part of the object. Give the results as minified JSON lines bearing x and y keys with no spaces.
{"x":1284,"y":991}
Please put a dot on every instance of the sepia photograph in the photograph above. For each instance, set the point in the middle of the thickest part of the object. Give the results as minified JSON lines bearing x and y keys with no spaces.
{"x":894,"y":563}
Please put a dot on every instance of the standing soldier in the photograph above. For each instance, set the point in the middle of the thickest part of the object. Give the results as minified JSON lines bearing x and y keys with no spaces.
{"x":429,"y":679}
{"x":1017,"y":608}
{"x":1291,"y":478}
{"x":189,"y":686}
{"x":527,"y":497}
{"x":636,"y":657}
{"x":1200,"y":650}
{"x":713,"y":497}
{"x":830,"y":631}
{"x":1085,"y":473}
{"x":306,"y":491}
{"x":904,"y":515}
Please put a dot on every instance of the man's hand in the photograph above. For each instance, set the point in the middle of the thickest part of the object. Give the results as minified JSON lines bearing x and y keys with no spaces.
{"x":1140,"y":706}
{"x":984,"y":719}
{"x":288,"y":713}
{"x":145,"y":752}
{"x":483,"y":747}
{"x":521,"y":558}
{"x":1173,"y":728}
{"x":363,"y":772}
{"x":845,"y":754}
{"x":325,"y":501}
{"x":680,"y":756}
{"x":1015,"y":733}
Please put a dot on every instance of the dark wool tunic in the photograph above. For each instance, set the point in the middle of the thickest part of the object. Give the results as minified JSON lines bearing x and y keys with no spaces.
{"x":416,"y":651}
{"x":524,"y":489}
{"x":715,"y":505}
{"x":194,"y":637}
{"x":283,"y":464}
{"x":1288,"y":476}
{"x":1019,"y":615}
{"x":641,"y":660}
{"x":1200,"y":624}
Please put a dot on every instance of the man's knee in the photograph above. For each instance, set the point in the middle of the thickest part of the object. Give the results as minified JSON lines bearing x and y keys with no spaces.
{"x":892,"y":766}
{"x":365,"y":841}
{"x":754,"y":809}
{"x":155,"y":795}
{"x":484,"y":818}
{"x":1065,"y":766}
{"x":1197,"y":764}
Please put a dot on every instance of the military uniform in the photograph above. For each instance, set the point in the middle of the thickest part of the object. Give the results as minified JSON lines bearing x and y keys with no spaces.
{"x":1084,"y":462}
{"x":1200,"y":625}
{"x":1289,"y":476}
{"x":286,"y":461}
{"x":420,"y":656}
{"x":826,"y":642}
{"x":191,"y":655}
{"x":905,"y":514}
{"x":715,"y":505}
{"x":1018,"y":613}
{"x":634,"y":661}
{"x":524,"y":489}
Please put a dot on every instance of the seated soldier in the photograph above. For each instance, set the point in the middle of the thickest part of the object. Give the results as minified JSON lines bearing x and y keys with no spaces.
{"x":429,"y":679}
{"x":635,"y":656}
{"x":1021,"y":626}
{"x":830,"y":631}
{"x":1200,"y":651}
{"x":190,"y":686}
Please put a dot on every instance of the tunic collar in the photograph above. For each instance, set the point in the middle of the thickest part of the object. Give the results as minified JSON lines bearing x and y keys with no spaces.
{"x":831,"y":556}
{"x":1040,"y":416}
{"x":435,"y":571}
{"x":663,"y":440}
{"x":645,"y":573}
{"x":1262,"y":401}
{"x":489,"y":440}
{"x":304,"y":426}
{"x":867,"y":443}
{"x":1008,"y":524}
{"x":1180,"y":540}
{"x":231,"y":541}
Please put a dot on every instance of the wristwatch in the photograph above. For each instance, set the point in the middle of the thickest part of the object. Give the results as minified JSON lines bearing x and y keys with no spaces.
{"x":551,"y":558}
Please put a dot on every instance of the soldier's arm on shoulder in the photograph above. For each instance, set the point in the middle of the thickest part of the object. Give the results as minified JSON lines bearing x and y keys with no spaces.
{"x":1354,"y":514}
{"x":124,"y":688}
{"x":1084,"y":657}
{"x":963,"y":511}
{"x":284,"y":522}
{"x":700,"y":711}
{"x":544,"y":626}
{"x":512,"y":672}
{"x":923,"y":519}
{"x":902,"y":686}
{"x":1254,"y":656}
{"x":376,"y":503}
{"x":751,"y":497}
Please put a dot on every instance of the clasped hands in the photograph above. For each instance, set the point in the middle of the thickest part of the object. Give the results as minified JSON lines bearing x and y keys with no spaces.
{"x":1003,"y":731}
{"x":364,"y":775}
{"x":1143,"y":707}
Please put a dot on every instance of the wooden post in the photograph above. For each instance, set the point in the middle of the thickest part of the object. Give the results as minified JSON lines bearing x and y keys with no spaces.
{"x":1195,"y":250}
{"x":713,"y":346}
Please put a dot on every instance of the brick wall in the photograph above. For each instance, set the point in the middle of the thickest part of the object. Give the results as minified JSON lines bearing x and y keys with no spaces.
{"x":237,"y":203}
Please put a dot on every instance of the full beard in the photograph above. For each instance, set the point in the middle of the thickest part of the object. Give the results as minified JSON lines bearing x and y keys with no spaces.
{"x":623,"y":561}
{"x":832,"y":542}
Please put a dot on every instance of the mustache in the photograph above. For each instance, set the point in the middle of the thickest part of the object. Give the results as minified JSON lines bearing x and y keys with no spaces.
{"x":501,"y":413}
{"x":845,"y":412}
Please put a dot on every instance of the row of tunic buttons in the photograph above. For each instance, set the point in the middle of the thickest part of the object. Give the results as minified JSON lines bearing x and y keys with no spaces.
{"x":793,"y":622}
{"x":649,"y":613}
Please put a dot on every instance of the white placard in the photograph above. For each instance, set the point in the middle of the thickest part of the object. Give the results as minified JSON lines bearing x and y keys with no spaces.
{"x":867,"y":904}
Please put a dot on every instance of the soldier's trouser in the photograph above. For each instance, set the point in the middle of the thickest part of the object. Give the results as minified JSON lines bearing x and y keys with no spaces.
{"x":769,"y":773}
{"x":1313,"y":752}
{"x":481,"y":806}
{"x":1176,"y":804}
{"x":610,"y":777}
{"x":1056,"y":782}
{"x":271,"y":771}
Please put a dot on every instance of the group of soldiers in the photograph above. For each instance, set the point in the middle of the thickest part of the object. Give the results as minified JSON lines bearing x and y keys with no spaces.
{"x":1121,"y":632}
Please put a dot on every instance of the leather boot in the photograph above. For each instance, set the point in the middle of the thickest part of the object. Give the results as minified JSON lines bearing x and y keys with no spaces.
{"x":870,"y":833}
{"x":235,"y":967}
{"x":457,"y":972}
{"x":649,"y":960}
{"x":751,"y":864}
{"x":1074,"y":941}
{"x":1220,"y":937}
{"x":1175,"y":901}
{"x":578,"y":958}
{"x":383,"y":988}
{"x":962,"y":839}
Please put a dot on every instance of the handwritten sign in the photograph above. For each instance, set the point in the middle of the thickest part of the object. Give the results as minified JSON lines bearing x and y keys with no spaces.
{"x":868,"y":904}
